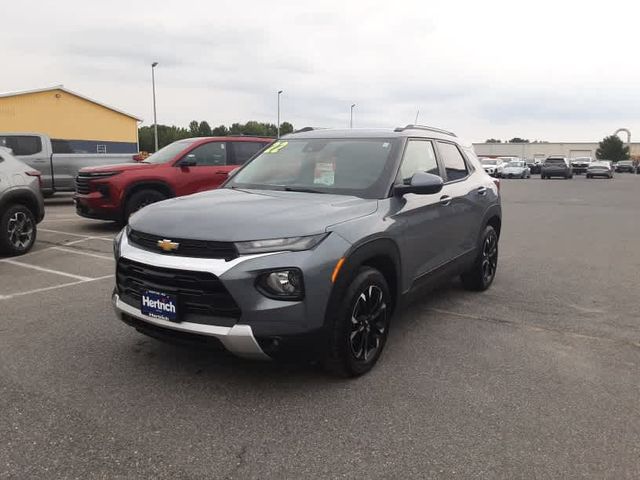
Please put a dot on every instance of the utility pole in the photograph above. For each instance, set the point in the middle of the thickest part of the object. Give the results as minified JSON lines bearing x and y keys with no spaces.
{"x":279,"y":93}
{"x":155,"y":119}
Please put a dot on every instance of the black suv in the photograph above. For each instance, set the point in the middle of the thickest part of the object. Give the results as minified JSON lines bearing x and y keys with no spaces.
{"x":311,"y":246}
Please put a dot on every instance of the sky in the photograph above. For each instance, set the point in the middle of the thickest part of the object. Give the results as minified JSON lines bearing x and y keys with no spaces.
{"x":546,"y":70}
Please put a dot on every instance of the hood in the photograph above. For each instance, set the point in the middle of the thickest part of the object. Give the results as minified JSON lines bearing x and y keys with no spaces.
{"x":119,"y":167}
{"x":239,"y":215}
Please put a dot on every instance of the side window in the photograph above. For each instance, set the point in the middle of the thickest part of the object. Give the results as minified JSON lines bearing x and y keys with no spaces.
{"x":418,"y":157}
{"x":22,"y":144}
{"x":245,"y":150}
{"x":453,"y":161}
{"x":210,"y":154}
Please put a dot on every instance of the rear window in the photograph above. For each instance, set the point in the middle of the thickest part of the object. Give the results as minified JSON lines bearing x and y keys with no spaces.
{"x":22,"y":144}
{"x":555,"y":161}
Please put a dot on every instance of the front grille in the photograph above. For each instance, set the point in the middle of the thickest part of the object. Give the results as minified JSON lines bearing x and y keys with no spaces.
{"x":202,"y":298}
{"x":82,"y":185}
{"x":187,"y":247}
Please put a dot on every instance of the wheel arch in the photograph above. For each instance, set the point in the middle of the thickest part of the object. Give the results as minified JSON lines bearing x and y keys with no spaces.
{"x":382,"y":254}
{"x":22,"y":197}
{"x":157,"y":185}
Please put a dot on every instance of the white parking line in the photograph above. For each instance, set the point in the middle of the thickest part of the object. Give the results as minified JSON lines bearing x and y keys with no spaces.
{"x":47,"y":270}
{"x":63,"y":233}
{"x":45,"y":289}
{"x":80,"y":252}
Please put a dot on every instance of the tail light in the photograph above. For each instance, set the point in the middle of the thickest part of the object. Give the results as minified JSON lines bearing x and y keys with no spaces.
{"x":35,"y":173}
{"x":497,"y":182}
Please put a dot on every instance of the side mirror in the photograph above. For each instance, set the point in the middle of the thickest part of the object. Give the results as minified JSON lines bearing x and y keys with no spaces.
{"x":421,"y":183}
{"x":188,"y":161}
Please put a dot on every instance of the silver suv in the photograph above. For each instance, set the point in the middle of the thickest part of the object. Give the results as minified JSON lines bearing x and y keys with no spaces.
{"x":21,"y":204}
{"x":312,"y":245}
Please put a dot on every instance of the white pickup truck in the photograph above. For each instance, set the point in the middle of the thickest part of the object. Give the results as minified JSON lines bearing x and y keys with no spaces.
{"x":58,"y":170}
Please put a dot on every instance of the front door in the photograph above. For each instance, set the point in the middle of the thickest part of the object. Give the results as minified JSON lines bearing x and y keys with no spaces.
{"x":422,"y":218}
{"x":208,"y":169}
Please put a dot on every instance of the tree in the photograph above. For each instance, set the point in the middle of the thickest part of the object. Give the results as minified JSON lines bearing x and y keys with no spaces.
{"x":493,"y":140}
{"x":204,"y":130}
{"x":612,"y":148}
{"x":518,"y":140}
{"x":193,"y":128}
{"x":285,"y":127}
{"x":220,"y":131}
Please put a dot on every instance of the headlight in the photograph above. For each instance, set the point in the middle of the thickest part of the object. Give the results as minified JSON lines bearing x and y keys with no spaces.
{"x":117,"y":240}
{"x":283,"y":284}
{"x":292,"y":244}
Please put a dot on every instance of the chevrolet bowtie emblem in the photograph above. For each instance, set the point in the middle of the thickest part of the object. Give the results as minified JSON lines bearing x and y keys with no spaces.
{"x":167,"y":245}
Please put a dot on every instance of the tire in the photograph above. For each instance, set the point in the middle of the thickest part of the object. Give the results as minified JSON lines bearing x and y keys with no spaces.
{"x":141,"y":199}
{"x":541,"y":177}
{"x":481,"y":275}
{"x":17,"y":231}
{"x":349,"y":341}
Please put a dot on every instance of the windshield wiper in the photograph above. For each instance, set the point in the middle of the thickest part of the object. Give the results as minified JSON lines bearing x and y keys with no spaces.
{"x":301,"y":189}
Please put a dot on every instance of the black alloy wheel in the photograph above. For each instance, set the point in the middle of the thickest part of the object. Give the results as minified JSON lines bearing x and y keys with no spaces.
{"x":359,"y":326}
{"x":368,"y":323}
{"x":18,"y":230}
{"x":481,"y":274}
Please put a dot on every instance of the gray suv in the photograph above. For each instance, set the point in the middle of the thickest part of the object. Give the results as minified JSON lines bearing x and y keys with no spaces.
{"x":312,"y":245}
{"x":21,"y":204}
{"x":556,"y":166}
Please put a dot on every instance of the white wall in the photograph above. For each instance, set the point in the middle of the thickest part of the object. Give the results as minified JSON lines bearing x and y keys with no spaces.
{"x":533,"y":150}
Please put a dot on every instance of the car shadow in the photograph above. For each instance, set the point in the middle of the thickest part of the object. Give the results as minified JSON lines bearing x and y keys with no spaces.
{"x":216,"y":366}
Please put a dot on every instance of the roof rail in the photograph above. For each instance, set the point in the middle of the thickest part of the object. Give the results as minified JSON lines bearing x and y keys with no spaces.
{"x":304,"y":129}
{"x":424,"y":127}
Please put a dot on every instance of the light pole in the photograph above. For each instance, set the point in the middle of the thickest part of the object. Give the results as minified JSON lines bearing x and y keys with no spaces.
{"x":279,"y":93}
{"x":155,"y":119}
{"x":351,"y":118}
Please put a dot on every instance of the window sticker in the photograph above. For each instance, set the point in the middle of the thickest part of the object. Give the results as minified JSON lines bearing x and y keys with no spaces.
{"x":276,"y":147}
{"x":324,"y":173}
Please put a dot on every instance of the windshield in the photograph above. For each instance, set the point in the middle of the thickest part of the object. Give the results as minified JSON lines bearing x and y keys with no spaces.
{"x":169,"y":152}
{"x":554,"y":161}
{"x":489,"y":161}
{"x":516,"y":163}
{"x":359,"y":167}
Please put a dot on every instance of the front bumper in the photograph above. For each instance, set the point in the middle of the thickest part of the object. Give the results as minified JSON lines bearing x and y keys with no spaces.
{"x":265,"y":327}
{"x":94,"y":206}
{"x":238,"y":339}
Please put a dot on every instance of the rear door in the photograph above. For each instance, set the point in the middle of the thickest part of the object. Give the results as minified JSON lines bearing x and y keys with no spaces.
{"x":463,"y":195}
{"x":209,"y":171}
{"x":31,"y":150}
{"x":242,"y":152}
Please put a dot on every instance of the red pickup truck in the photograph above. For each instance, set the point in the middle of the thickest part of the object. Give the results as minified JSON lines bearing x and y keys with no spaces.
{"x":114,"y":192}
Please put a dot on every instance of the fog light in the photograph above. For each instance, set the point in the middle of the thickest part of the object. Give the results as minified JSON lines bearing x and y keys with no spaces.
{"x":286,"y":284}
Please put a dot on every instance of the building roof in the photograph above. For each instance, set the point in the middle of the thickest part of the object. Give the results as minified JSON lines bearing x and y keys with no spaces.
{"x":71,"y":92}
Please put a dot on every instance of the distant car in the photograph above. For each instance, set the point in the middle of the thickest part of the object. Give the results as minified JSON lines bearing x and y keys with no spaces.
{"x":580,"y":164}
{"x":556,"y":166}
{"x":21,"y":204}
{"x":600,"y":169}
{"x":493,"y":166}
{"x":535,"y":166}
{"x":516,"y":169}
{"x":625,"y":166}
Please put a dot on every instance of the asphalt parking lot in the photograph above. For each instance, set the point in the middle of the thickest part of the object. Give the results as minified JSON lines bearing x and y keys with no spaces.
{"x":537,"y":378}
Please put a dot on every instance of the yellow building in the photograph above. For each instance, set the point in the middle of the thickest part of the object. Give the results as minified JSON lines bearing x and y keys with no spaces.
{"x":75,"y":123}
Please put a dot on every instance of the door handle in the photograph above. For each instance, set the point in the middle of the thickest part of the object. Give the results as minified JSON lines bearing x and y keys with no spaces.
{"x":481,"y":190}
{"x":221,"y":172}
{"x":445,"y":200}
